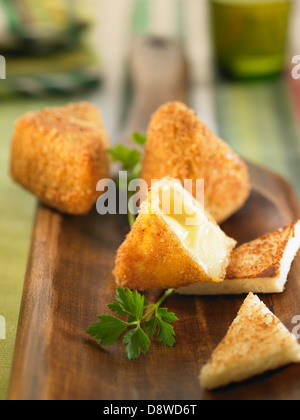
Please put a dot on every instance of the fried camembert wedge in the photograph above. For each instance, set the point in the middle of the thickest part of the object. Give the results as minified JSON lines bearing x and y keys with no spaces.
{"x":256,"y":342}
{"x":59,"y":154}
{"x":260,"y":266}
{"x":181,"y":146}
{"x":173,"y":243}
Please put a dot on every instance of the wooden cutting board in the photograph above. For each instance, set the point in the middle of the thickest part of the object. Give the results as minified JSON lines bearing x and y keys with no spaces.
{"x":69,"y":282}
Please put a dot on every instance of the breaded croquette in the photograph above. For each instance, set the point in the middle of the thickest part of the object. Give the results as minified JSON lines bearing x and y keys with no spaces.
{"x":171,"y":249}
{"x":181,"y":146}
{"x":59,"y":154}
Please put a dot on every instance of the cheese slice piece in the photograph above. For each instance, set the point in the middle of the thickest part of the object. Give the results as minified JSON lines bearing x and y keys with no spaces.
{"x":173,"y":243}
{"x":255,"y":343}
{"x":260,"y":266}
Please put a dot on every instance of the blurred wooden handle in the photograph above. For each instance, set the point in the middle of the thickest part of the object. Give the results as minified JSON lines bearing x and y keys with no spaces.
{"x":158,"y":73}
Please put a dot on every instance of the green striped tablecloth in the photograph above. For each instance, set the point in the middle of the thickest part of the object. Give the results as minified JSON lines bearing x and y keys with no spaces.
{"x":46,"y":47}
{"x":260,"y":120}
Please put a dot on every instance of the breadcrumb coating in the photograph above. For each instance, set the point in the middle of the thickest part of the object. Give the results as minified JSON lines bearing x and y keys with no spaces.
{"x":181,"y":146}
{"x":59,"y":154}
{"x":153,"y":255}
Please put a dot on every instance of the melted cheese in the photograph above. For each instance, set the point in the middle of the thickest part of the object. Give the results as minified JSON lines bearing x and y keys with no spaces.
{"x":204,"y":240}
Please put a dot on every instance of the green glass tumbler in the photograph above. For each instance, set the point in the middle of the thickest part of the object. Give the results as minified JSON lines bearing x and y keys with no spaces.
{"x":250,"y":36}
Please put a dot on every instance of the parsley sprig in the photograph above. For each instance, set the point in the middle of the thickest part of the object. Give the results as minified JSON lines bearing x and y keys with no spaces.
{"x":130,"y":161}
{"x":143,"y":321}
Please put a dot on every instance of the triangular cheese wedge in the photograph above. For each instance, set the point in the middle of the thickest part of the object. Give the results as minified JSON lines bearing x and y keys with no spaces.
{"x":260,"y":266}
{"x":255,"y":343}
{"x":183,"y":147}
{"x":173,"y":243}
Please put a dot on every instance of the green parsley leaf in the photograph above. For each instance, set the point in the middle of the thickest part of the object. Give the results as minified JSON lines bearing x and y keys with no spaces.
{"x":165,"y":333}
{"x":162,"y":319}
{"x":117,"y":308}
{"x":142,"y":321}
{"x":166,"y":316}
{"x":139,"y":138}
{"x":128,"y":158}
{"x":131,"y":302}
{"x":130,"y":161}
{"x":108,"y":330}
{"x":150,"y":326}
{"x":137,"y":341}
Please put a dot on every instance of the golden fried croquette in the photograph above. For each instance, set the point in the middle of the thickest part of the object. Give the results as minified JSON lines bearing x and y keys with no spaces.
{"x":172,"y":249}
{"x":181,"y":146}
{"x":260,"y":266}
{"x":59,"y":154}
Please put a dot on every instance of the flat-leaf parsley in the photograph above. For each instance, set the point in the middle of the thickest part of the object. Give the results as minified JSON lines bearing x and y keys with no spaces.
{"x":142,"y":322}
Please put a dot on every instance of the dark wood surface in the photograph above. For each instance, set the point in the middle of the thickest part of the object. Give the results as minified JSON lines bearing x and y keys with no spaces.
{"x":69,"y":282}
